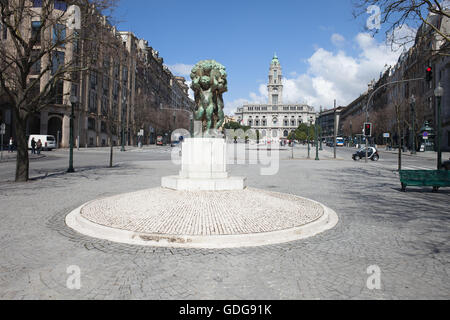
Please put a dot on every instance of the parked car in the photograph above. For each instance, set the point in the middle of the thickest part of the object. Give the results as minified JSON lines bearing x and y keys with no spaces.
{"x":361,"y":154}
{"x":48,"y":142}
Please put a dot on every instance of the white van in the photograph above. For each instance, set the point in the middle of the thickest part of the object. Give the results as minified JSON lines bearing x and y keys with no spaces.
{"x":48,"y":142}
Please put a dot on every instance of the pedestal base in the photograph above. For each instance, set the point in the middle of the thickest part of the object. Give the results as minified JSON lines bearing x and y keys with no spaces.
{"x":189,"y":184}
{"x":204,"y":168}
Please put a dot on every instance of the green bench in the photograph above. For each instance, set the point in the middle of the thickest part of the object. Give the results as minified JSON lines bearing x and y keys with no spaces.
{"x":425,"y":178}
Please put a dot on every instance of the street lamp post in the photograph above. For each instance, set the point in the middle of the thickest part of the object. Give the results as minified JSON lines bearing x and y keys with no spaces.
{"x":439,"y":92}
{"x":122,"y":149}
{"x":321,"y":129}
{"x":317,"y":141}
{"x":413,"y":124}
{"x":351,"y":133}
{"x":73,"y":101}
{"x":309,"y":140}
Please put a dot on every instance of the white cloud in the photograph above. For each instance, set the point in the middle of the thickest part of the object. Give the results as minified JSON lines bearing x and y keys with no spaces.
{"x":336,"y":74}
{"x":181,"y":69}
{"x":337,"y":39}
{"x":191,"y":93}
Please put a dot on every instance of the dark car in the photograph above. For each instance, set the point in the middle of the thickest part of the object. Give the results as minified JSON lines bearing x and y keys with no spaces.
{"x":361,"y":154}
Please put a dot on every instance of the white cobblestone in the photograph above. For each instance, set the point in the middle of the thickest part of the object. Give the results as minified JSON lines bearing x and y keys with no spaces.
{"x":163,"y":211}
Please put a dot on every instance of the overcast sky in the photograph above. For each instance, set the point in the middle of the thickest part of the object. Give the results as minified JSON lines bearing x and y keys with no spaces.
{"x":325,"y":53}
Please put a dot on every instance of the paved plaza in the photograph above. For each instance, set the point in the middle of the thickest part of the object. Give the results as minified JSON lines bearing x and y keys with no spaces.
{"x":404,"y":234}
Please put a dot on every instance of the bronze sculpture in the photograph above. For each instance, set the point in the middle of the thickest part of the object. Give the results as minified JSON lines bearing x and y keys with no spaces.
{"x":209,"y":83}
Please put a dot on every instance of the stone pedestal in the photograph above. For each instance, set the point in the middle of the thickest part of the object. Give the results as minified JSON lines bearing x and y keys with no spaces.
{"x":204,"y":167}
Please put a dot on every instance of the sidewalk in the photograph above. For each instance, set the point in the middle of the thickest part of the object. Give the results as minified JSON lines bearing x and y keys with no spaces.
{"x":107,"y":149}
{"x":425,"y":155}
{"x":10,"y":157}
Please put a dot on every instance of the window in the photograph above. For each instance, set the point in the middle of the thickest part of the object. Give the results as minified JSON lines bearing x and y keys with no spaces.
{"x":105,"y":85}
{"x":91,"y":124}
{"x":93,"y":80}
{"x":264,"y":123}
{"x":257,"y":123}
{"x":60,"y":5}
{"x":58,"y":92}
{"x":36,"y":31}
{"x":57,"y":61}
{"x":36,"y":68}
{"x":286,"y":123}
{"x":106,"y":64}
{"x":116,"y":90}
{"x":92,"y":102}
{"x":76,"y":42}
{"x":74,"y":89}
{"x":275,"y":99}
{"x":114,"y":110}
{"x":250,"y":123}
{"x":116,"y":70}
{"x":37,"y":3}
{"x":103,"y":127}
{"x":105,"y":104}
{"x":292,"y":123}
{"x":59,"y":34}
{"x":125,"y":75}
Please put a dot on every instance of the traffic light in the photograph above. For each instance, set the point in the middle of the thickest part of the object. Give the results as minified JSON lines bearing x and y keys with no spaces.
{"x":429,"y":74}
{"x":368,"y":129}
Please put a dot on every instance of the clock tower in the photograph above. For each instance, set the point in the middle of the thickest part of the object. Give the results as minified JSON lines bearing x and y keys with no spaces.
{"x":275,"y":86}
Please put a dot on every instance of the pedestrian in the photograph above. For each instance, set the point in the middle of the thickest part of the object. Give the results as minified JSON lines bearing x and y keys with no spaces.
{"x":33,"y":146}
{"x":39,"y":146}
{"x":11,"y":145}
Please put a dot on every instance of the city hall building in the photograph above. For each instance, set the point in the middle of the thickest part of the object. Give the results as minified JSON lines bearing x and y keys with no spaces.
{"x":275,"y":120}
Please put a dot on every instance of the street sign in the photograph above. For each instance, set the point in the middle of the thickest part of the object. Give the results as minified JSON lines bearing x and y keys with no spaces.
{"x":425,"y":135}
{"x":386,"y":135}
{"x":3,"y":128}
{"x":141,"y":133}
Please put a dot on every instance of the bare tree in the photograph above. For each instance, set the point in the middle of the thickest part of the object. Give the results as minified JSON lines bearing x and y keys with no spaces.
{"x":32,"y":63}
{"x":396,"y":14}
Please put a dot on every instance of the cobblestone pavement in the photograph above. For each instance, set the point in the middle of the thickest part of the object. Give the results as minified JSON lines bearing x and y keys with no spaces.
{"x":202,"y":213}
{"x":405,"y":234}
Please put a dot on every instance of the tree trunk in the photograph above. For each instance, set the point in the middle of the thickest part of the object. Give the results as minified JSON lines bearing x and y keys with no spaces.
{"x":23,"y":162}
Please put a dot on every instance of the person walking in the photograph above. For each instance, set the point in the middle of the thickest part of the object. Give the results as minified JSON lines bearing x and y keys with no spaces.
{"x":11,"y":145}
{"x":33,"y":146}
{"x":39,"y":146}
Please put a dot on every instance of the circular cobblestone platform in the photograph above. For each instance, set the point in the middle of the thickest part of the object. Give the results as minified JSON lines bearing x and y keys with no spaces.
{"x":163,"y":217}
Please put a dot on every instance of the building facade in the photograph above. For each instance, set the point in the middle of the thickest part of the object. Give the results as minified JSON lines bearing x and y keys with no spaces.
{"x":123,"y":88}
{"x":395,"y":107}
{"x":275,"y":120}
